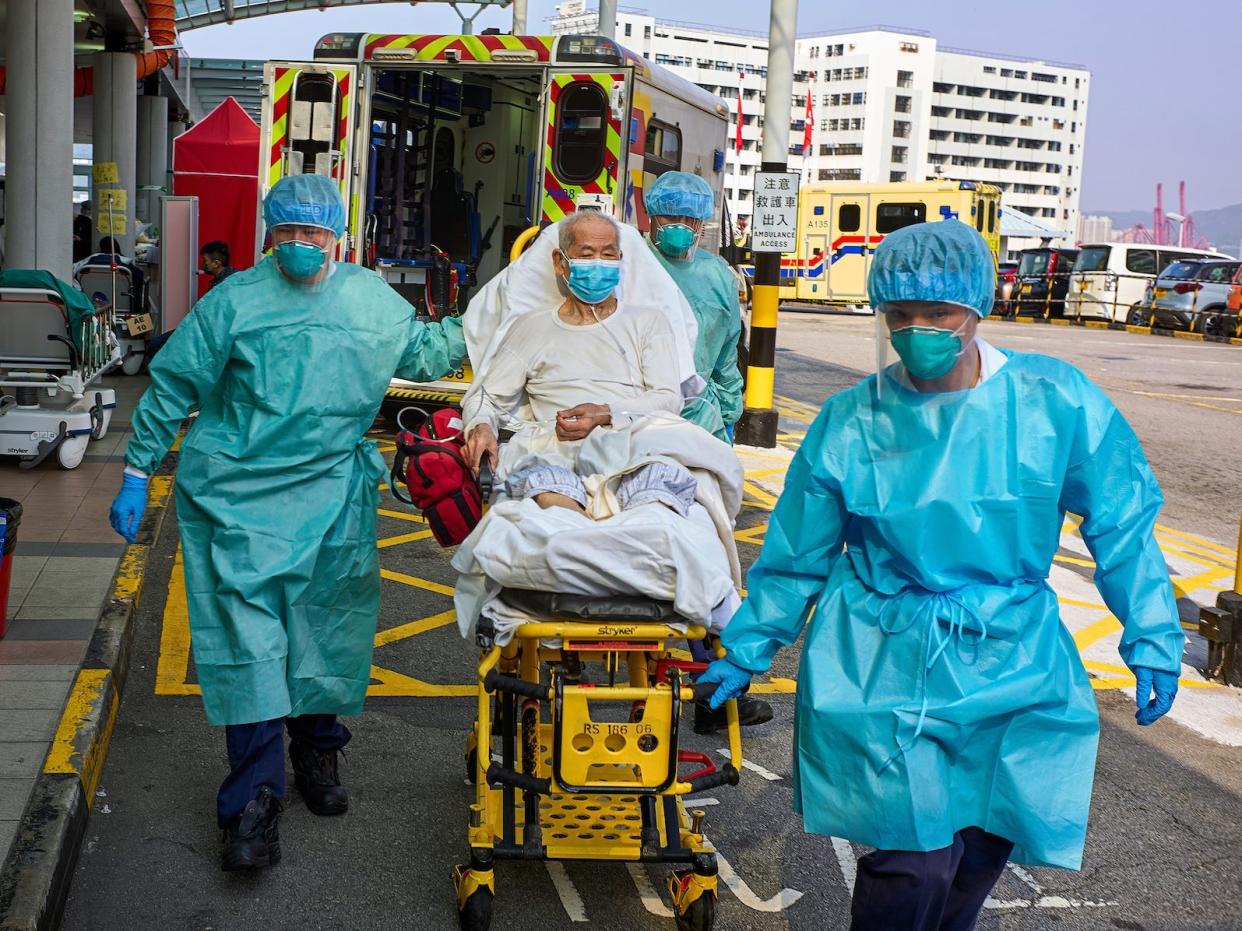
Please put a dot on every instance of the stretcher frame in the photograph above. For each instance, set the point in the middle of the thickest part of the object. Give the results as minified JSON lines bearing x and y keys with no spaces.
{"x":558,"y":793}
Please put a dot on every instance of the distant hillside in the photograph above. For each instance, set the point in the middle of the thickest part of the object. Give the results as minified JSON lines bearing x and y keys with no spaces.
{"x":1222,"y":227}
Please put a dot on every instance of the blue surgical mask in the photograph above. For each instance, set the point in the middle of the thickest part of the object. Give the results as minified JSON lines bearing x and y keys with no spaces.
{"x":675,"y":239}
{"x":592,"y":280}
{"x":300,"y":260}
{"x":927,"y":352}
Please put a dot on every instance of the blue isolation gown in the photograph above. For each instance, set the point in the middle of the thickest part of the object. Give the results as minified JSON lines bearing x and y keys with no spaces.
{"x":938,"y":688}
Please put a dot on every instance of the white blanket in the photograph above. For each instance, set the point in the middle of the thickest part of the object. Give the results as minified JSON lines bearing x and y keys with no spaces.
{"x":648,"y":551}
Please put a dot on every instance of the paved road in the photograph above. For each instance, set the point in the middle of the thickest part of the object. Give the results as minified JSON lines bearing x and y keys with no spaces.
{"x":1166,"y":836}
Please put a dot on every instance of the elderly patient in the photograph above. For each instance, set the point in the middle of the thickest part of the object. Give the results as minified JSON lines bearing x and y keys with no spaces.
{"x":591,"y":362}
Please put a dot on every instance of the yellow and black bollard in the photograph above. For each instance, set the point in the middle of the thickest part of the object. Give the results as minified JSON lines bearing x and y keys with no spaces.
{"x":759,"y":420}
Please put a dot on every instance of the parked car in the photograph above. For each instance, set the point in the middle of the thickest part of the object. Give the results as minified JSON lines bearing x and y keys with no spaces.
{"x":1110,"y":279}
{"x":1006,"y":284}
{"x":1231,"y":322}
{"x":1043,"y":280}
{"x":1189,"y":294}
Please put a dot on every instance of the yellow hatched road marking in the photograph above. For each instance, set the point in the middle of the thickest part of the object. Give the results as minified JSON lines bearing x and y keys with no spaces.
{"x":1092,"y":633}
{"x":173,"y":666}
{"x":1124,"y":678}
{"x":414,"y":582}
{"x":401,"y":515}
{"x":403,"y":538}
{"x":1198,"y":540}
{"x":414,"y":628}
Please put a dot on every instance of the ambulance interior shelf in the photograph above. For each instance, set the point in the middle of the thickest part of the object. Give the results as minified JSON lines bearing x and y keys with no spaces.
{"x":450,"y":160}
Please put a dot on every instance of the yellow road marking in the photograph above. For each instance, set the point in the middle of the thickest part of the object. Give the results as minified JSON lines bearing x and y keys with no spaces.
{"x":1086,"y":636}
{"x":775,"y":686}
{"x":1124,"y":678}
{"x":404,"y":538}
{"x":1074,"y":561}
{"x":391,"y":684}
{"x":173,"y":666}
{"x":159,"y":487}
{"x":1198,"y":540}
{"x":128,"y":580}
{"x":753,"y":535}
{"x":1075,"y":603}
{"x":1183,"y":586}
{"x":414,"y":628}
{"x":401,"y":515}
{"x":415,"y":582}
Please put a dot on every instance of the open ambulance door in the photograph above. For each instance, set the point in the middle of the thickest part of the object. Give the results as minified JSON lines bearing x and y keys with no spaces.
{"x":308,"y":128}
{"x":585,"y":143}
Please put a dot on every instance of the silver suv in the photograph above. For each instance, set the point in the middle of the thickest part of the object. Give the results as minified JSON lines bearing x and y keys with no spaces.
{"x":1188,"y":293}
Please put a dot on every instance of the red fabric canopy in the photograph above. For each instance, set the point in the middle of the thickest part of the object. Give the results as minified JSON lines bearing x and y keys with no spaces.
{"x":217,"y":161}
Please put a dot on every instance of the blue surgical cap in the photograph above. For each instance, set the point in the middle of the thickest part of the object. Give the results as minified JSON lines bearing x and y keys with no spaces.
{"x":679,"y":194}
{"x":307,"y":200}
{"x":944,"y":261}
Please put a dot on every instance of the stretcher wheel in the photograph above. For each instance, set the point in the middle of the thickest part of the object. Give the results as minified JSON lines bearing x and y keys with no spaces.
{"x":694,"y":898}
{"x":69,"y":453}
{"x":475,"y":895}
{"x":699,"y":916}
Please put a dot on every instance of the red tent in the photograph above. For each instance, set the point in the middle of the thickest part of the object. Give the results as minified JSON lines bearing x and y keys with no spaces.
{"x":217,"y":161}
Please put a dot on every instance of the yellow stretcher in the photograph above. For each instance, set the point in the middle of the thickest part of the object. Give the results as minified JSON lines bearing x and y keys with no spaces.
{"x":589,"y":770}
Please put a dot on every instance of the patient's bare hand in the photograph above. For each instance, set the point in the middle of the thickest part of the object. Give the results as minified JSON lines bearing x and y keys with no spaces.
{"x":480,"y":441}
{"x":577,"y":422}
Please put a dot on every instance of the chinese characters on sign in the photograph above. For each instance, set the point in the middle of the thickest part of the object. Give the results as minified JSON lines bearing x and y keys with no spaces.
{"x":774,"y":225}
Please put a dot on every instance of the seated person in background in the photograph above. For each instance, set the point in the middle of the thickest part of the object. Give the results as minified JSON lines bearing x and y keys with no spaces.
{"x":588,"y":363}
{"x":109,"y":252}
{"x":214,"y":261}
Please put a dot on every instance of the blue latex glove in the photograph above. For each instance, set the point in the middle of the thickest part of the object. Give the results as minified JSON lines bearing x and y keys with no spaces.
{"x":1165,"y":684}
{"x":128,"y":506}
{"x":731,"y":681}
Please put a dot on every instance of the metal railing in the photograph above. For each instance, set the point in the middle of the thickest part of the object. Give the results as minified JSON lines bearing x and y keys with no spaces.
{"x":1078,"y":297}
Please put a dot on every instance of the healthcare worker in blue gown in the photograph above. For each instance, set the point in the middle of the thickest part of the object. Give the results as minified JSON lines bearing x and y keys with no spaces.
{"x":276,"y":488}
{"x":943,"y":713}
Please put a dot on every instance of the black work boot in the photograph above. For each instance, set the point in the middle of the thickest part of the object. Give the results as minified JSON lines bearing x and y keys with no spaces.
{"x":252,"y":839}
{"x":750,"y":711}
{"x":315,"y":773}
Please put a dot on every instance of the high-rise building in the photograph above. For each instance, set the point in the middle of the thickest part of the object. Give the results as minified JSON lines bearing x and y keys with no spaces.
{"x":885,"y":105}
{"x":1095,"y":229}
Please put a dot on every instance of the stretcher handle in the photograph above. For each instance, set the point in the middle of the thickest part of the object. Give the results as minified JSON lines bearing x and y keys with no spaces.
{"x":495,"y":682}
{"x":487,"y":476}
{"x":725,"y":776}
{"x":498,"y":775}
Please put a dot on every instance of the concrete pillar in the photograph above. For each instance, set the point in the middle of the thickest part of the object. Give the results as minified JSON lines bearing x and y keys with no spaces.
{"x":152,"y":168}
{"x":115,"y":138}
{"x":39,"y":187}
{"x":608,"y":18}
{"x":519,"y":17}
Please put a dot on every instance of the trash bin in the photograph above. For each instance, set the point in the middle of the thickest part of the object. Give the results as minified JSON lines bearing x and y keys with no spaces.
{"x":10,"y":518}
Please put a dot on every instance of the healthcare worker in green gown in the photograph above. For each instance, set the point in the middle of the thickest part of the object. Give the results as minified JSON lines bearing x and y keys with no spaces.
{"x":678,"y":204}
{"x":276,"y":489}
{"x":943,"y":713}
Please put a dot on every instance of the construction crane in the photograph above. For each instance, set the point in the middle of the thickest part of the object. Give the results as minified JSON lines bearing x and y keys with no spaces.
{"x":1161,"y":232}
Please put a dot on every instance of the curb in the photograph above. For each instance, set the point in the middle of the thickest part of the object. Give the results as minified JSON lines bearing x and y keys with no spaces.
{"x":1123,"y":328}
{"x":36,"y":876}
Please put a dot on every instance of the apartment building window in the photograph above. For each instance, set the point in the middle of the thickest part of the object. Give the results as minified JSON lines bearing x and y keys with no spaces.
{"x":824,"y":100}
{"x":891,"y":217}
{"x":968,"y":138}
{"x":900,"y":154}
{"x":969,"y":114}
{"x":905,"y":78}
{"x":860,"y":98}
{"x":942,"y":111}
{"x":1049,"y":212}
{"x":629,"y":29}
{"x":968,"y":90}
{"x":1021,"y":75}
{"x":939,"y":135}
{"x":1001,"y":117}
{"x":840,"y":174}
{"x":901,"y":129}
{"x":965,"y":160}
{"x":845,"y":148}
{"x":646,"y":32}
{"x":939,"y":87}
{"x":936,"y":159}
{"x":1060,"y":102}
{"x":1046,"y":78}
{"x":1052,"y":191}
{"x":1030,"y":143}
{"x":902,"y":104}
{"x":823,"y":125}
{"x":1058,"y":124}
{"x":909,"y":46}
{"x":1054,"y":147}
{"x":996,"y":94}
{"x":997,"y":163}
{"x":814,"y":51}
{"x":1004,"y":141}
{"x":988,"y":69}
{"x":835,"y":74}
{"x":1027,"y":121}
{"x":857,"y":123}
{"x":896,"y":176}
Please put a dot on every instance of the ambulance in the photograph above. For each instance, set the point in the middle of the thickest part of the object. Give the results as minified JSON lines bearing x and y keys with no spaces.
{"x":451,"y":151}
{"x":841,"y":224}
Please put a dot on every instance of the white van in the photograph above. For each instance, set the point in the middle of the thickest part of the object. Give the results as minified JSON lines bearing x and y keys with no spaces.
{"x":1111,"y":278}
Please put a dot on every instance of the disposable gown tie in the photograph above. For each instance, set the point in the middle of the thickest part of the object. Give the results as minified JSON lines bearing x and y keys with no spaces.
{"x":932,"y":609}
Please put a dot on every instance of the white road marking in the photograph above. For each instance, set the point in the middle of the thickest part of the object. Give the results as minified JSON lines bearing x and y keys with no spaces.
{"x":566,"y":890}
{"x":647,"y":893}
{"x":753,"y":767}
{"x":846,"y":859}
{"x":779,"y":902}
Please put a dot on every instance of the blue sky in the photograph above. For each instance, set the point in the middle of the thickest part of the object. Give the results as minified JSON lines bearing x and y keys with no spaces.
{"x":1164,"y":100}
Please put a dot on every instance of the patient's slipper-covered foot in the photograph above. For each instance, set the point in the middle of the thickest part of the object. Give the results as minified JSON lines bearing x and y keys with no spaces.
{"x":750,"y":711}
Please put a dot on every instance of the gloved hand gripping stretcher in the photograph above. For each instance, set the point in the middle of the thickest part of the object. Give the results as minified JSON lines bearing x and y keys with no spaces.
{"x":579,"y":616}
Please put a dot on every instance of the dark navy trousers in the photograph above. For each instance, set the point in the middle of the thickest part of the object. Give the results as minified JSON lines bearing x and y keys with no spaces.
{"x":935,"y":890}
{"x":257,"y":756}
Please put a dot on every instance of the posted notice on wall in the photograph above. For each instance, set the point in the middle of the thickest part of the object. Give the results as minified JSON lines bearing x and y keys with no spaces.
{"x":774,"y":220}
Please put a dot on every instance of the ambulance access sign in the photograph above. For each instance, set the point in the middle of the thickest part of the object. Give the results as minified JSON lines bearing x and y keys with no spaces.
{"x":774,"y":220}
